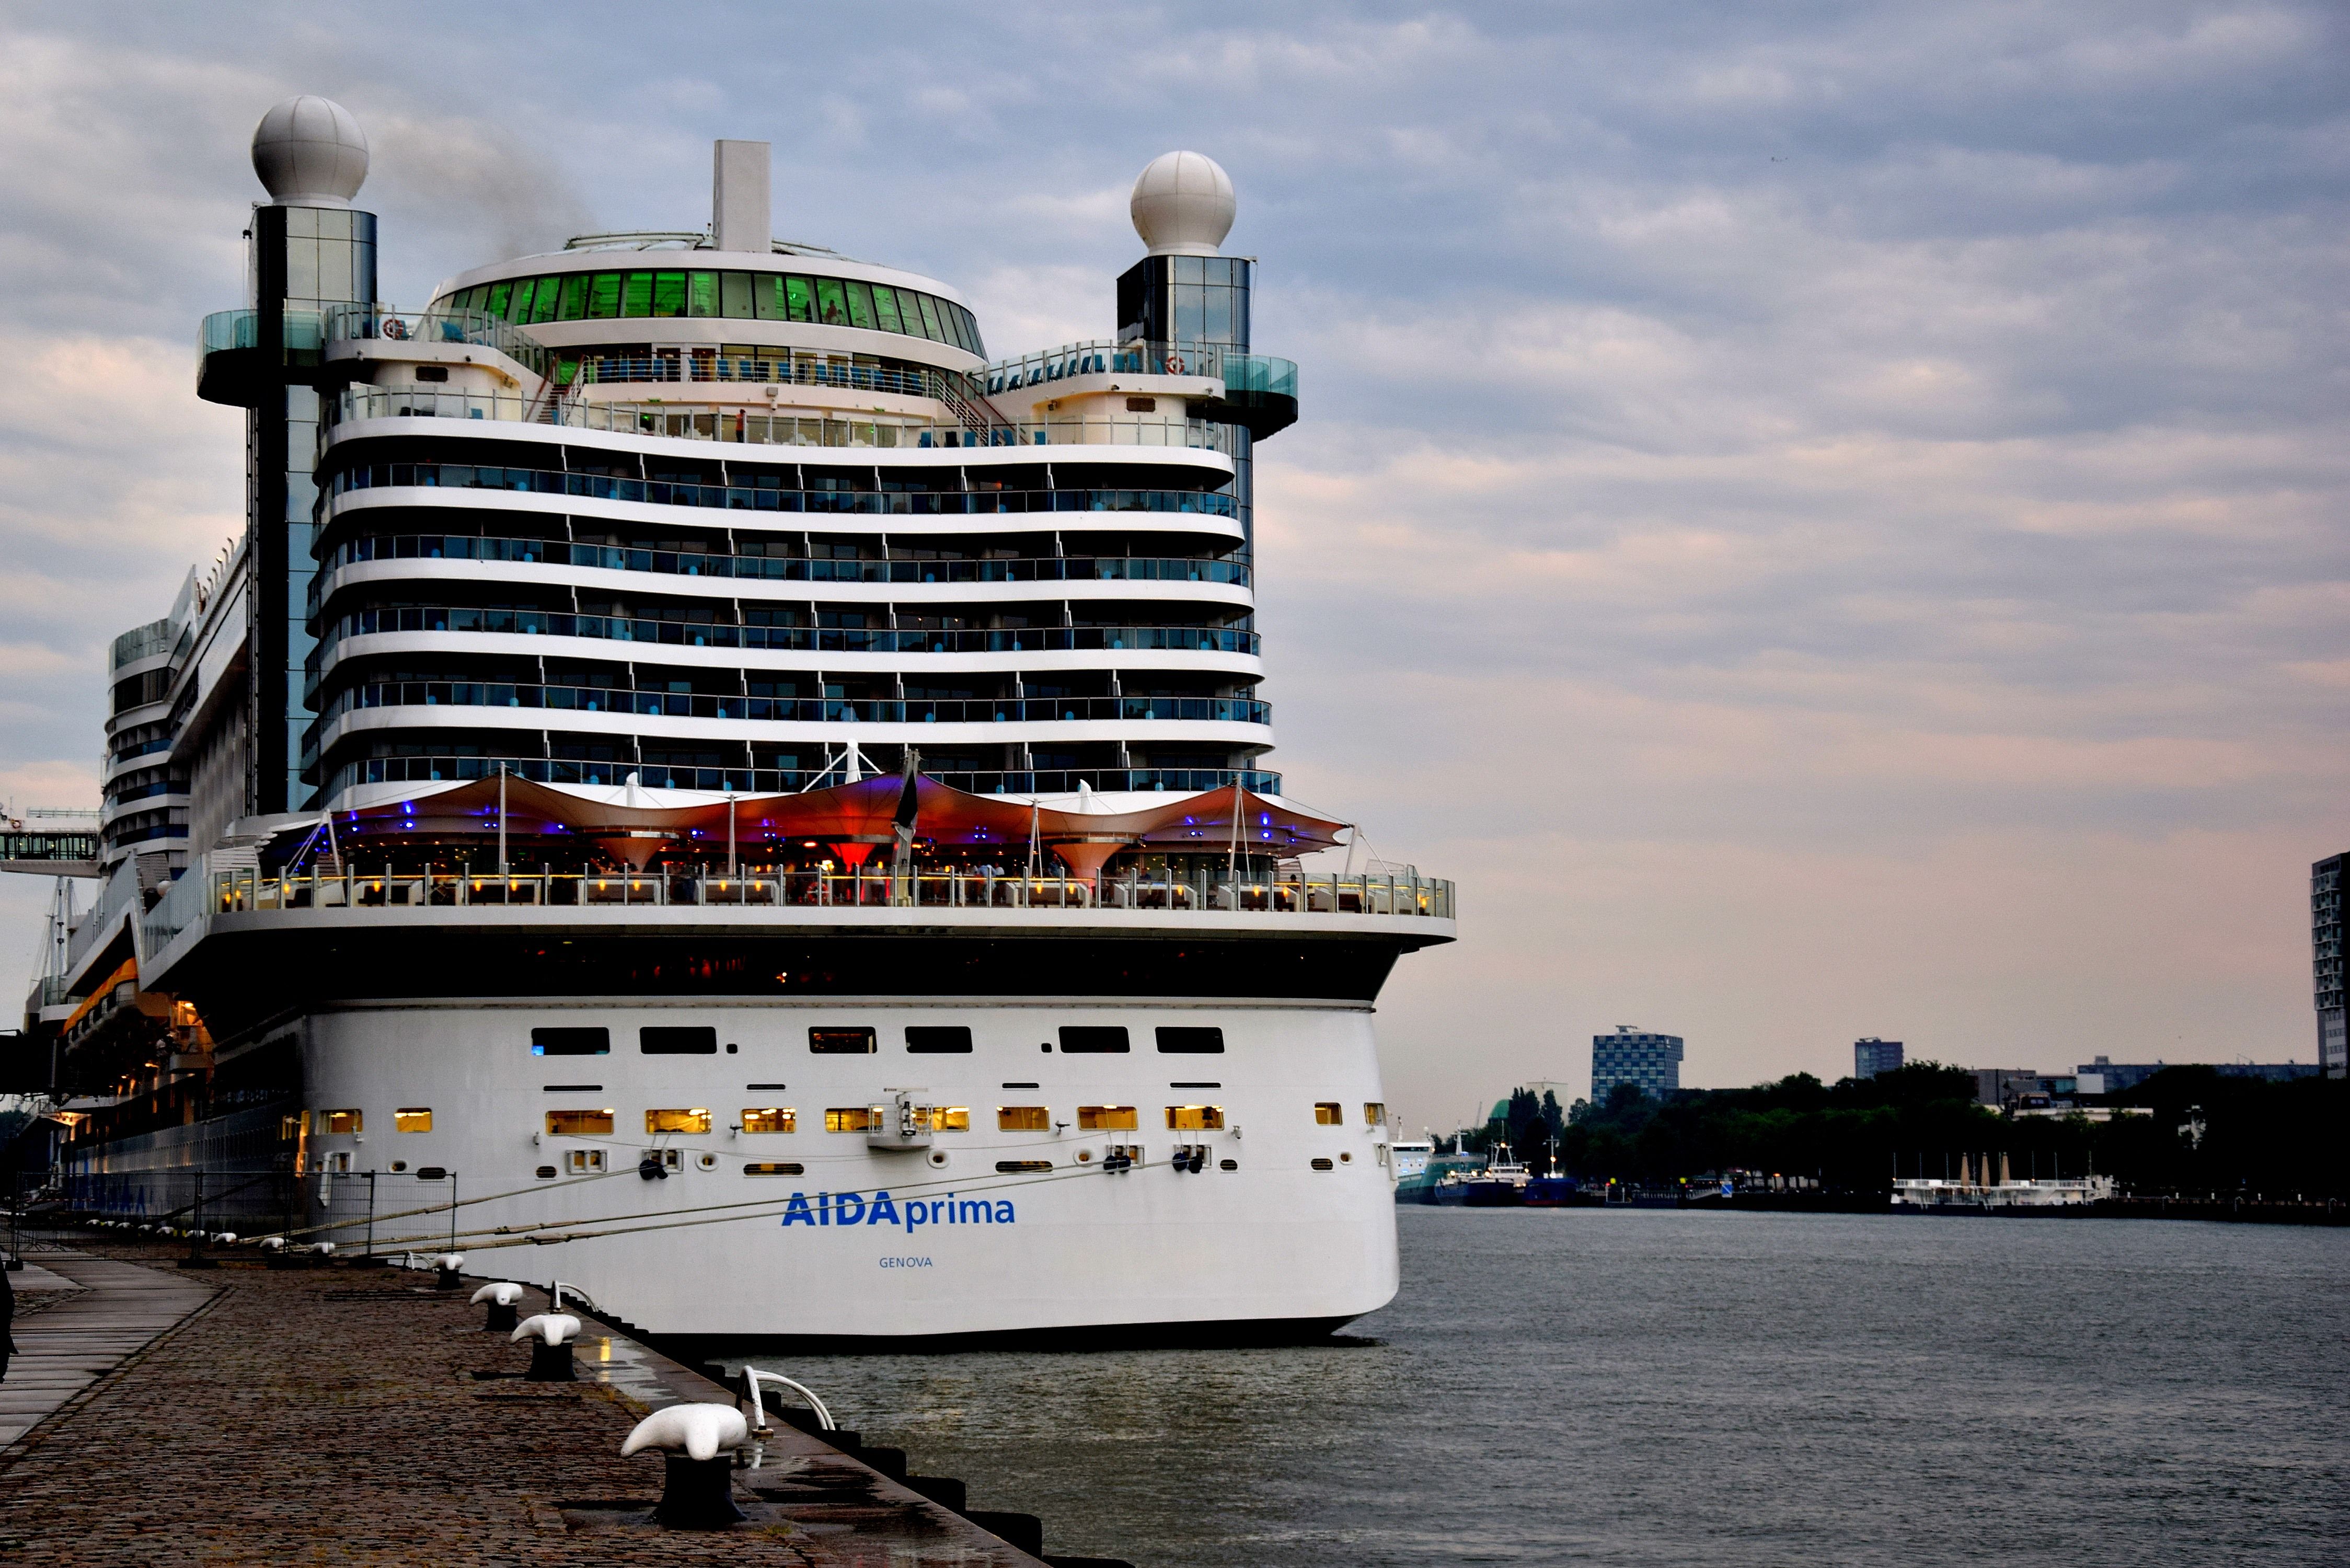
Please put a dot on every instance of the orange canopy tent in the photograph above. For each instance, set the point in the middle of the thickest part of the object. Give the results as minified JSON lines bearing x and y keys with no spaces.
{"x":853,"y":817}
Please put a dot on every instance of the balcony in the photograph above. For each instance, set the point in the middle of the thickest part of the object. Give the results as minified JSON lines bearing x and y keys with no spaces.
{"x":1260,"y":390}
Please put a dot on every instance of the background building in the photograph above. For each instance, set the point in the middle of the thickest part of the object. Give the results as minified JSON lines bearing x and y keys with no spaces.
{"x":2326,"y":951}
{"x":2114,"y":1078}
{"x":1872,"y":1057}
{"x":1630,"y":1056}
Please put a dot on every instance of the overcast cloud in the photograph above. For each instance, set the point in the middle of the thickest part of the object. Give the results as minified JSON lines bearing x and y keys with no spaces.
{"x":1825,"y":519}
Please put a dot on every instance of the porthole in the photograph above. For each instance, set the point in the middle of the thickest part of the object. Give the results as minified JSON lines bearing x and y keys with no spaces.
{"x":1345,"y":1157}
{"x":1229,"y":1164}
{"x":708,"y":1162}
{"x":398,"y":1164}
{"x":938,"y":1159}
{"x":1084,"y":1156}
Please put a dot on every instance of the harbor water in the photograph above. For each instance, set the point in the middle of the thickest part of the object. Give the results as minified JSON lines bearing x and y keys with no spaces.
{"x":1660,"y":1386}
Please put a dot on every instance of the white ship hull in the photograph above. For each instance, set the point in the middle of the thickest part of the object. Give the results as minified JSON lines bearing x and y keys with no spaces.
{"x":930,"y":1243}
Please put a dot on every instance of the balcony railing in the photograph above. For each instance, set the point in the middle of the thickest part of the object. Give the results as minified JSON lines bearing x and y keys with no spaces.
{"x":449,"y":767}
{"x":1237,"y":369}
{"x":778,"y":638}
{"x":203,"y":894}
{"x":760,"y":497}
{"x":760,"y":427}
{"x":143,"y":642}
{"x":381,"y":322}
{"x":792,"y":710}
{"x":906,"y":380}
{"x":788,"y":569}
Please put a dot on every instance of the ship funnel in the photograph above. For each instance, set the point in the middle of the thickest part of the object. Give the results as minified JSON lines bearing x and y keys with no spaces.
{"x":739,"y":216}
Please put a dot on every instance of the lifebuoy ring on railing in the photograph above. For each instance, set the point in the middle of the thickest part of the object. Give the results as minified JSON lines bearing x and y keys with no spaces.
{"x":394,"y":327}
{"x":1174,"y":365}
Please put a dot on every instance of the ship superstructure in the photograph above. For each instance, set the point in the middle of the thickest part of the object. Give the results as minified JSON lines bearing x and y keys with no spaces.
{"x":690,"y":747}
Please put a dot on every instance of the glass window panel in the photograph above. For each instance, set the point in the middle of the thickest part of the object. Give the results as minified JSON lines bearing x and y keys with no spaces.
{"x":1078,"y":1039}
{"x":937,"y":1039}
{"x":931,"y":327}
{"x":977,"y":344}
{"x":799,"y":299}
{"x":696,"y":1120}
{"x":412,"y":1118}
{"x":831,"y":308}
{"x":1240,"y":315}
{"x":1191,"y":313}
{"x":678,"y":1039}
{"x":736,"y":289}
{"x":949,"y":1119}
{"x":1023,"y":1118}
{"x":767,"y":294}
{"x":1195,"y":1118}
{"x":637,"y":294}
{"x":341,"y":1122}
{"x":1218,"y":325}
{"x":573,"y":304}
{"x":1187,"y":1040}
{"x":603,"y":296}
{"x":668,"y":293}
{"x":771,"y":1120}
{"x":519,"y":301}
{"x":701,"y":295}
{"x":860,"y":304}
{"x":851,"y":1041}
{"x":1375,"y":1113}
{"x":850,"y":1119}
{"x":1188,"y":269}
{"x":570,"y":1042}
{"x":542,"y":304}
{"x":501,"y":296}
{"x":950,"y":322}
{"x":579,"y":1124}
{"x":1108,"y":1118}
{"x":1326,"y":1114}
{"x":885,"y":308}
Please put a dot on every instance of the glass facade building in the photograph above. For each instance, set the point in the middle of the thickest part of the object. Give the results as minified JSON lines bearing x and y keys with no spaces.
{"x":1872,"y":1057}
{"x":1650,"y":1061}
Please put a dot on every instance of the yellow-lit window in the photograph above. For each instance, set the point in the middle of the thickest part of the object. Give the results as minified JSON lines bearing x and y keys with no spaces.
{"x":1195,"y":1118}
{"x":696,"y":1120}
{"x":340,"y":1122}
{"x":1327,"y":1113}
{"x":291,"y":1127}
{"x":412,"y":1118}
{"x":1023,"y":1118}
{"x":579,"y":1124}
{"x":1374,"y":1114}
{"x":1107,"y":1119}
{"x":947,"y":1118}
{"x":583,"y":1161}
{"x":775,"y":1118}
{"x":773,"y":1168}
{"x":851,"y":1118}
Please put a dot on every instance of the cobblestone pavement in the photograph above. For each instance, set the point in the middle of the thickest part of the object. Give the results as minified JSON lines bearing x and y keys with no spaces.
{"x":333,"y":1416}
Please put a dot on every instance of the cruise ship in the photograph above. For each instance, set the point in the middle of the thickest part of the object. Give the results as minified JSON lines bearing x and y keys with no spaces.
{"x":700,"y":781}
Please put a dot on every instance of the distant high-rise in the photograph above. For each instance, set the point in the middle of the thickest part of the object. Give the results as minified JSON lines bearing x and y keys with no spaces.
{"x":1872,"y":1057}
{"x":2326,"y":950}
{"x":1631,"y":1057}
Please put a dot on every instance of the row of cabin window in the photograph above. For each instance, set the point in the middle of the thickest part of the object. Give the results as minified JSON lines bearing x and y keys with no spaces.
{"x":738,"y":295}
{"x":829,"y":1040}
{"x":846,"y":1118}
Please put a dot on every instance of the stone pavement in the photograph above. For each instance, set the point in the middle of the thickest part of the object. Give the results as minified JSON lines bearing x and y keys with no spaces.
{"x":116,"y":1309}
{"x":343,"y":1415}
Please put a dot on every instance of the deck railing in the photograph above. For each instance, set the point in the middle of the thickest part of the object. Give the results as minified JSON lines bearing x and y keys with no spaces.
{"x":244,"y":891}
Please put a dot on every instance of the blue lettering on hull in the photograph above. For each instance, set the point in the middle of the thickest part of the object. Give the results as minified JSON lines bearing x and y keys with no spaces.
{"x":910,"y":1214}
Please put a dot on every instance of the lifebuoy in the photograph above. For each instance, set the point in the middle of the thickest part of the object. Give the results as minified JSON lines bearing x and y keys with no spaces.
{"x":1174,"y":365}
{"x":394,"y":327}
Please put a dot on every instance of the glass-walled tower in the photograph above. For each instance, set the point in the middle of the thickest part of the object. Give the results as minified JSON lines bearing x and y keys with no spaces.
{"x":308,"y":249}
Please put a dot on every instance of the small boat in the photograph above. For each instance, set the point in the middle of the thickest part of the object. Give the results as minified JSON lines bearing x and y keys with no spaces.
{"x":1554,"y":1190}
{"x":1502,"y":1184}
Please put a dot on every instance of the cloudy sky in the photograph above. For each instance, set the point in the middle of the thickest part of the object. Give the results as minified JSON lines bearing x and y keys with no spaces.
{"x":1825,"y":519}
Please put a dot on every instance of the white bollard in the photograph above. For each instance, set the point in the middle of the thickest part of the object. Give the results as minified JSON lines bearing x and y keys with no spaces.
{"x":550,"y":1358}
{"x":697,"y":1483}
{"x":502,"y":1299}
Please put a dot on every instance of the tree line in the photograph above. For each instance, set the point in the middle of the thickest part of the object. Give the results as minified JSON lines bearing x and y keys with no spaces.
{"x":2206,"y":1133}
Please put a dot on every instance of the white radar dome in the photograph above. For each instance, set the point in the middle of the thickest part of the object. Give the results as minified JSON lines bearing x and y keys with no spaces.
{"x":310,"y":152}
{"x":1184,"y":205}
